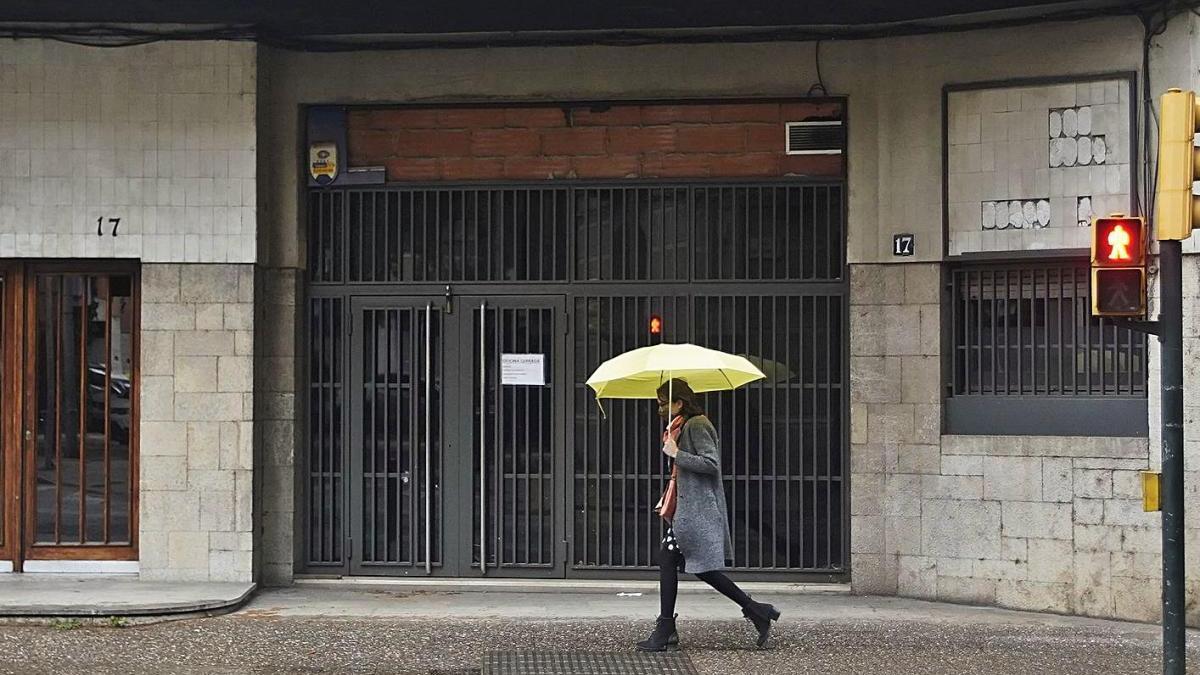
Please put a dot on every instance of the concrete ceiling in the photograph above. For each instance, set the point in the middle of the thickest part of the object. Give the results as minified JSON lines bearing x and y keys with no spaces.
{"x":535,"y":20}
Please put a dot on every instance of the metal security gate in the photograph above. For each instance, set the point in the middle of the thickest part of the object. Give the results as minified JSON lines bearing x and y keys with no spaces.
{"x":423,"y":459}
{"x":441,"y":476}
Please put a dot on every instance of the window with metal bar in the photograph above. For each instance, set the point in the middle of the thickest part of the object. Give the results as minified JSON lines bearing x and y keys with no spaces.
{"x":1027,"y":356}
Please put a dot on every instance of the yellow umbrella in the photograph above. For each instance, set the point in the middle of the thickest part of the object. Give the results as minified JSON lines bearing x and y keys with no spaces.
{"x":639,"y":373}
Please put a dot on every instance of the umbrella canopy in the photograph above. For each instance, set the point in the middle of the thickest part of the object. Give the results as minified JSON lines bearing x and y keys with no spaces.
{"x":639,"y":373}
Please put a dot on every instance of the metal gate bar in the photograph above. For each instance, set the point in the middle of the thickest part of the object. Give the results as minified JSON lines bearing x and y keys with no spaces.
{"x":324,"y":511}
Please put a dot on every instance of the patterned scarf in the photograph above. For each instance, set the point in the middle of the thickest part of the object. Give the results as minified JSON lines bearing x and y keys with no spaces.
{"x":673,"y":429}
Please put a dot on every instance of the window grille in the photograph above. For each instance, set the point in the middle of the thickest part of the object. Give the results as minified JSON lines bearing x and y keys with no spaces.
{"x":1025,"y":331}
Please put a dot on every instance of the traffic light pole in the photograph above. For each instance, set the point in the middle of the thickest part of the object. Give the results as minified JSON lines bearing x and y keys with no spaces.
{"x":1170,"y":337}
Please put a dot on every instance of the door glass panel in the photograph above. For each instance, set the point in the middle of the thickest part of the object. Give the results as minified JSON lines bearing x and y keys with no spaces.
{"x":84,"y":381}
{"x":119,"y":497}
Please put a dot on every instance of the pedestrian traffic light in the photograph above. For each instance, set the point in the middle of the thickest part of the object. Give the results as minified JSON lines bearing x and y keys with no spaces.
{"x":1119,"y":266}
{"x":1177,"y":210}
{"x":656,"y":325}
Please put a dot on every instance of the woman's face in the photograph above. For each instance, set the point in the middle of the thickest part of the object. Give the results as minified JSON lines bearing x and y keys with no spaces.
{"x":662,"y":408}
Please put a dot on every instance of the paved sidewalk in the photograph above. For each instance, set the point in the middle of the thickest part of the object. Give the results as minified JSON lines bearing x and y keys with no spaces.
{"x":59,"y":595}
{"x":388,"y":630}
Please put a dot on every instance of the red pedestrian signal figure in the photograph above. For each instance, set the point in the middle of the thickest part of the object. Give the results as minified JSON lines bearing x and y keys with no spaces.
{"x":1118,"y":243}
{"x":1119,"y":266}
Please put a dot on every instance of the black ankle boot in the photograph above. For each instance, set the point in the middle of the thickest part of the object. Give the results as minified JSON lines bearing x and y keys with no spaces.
{"x":761,"y":615}
{"x":663,"y":638}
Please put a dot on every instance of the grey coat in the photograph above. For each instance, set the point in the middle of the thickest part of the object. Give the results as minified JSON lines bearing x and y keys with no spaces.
{"x":701,"y":524}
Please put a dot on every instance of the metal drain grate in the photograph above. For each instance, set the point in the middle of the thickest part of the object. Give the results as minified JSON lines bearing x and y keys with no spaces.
{"x":587,"y":663}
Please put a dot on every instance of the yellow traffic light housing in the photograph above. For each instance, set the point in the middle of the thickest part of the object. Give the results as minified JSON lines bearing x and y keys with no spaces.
{"x":1177,"y":211}
{"x":1119,"y":266}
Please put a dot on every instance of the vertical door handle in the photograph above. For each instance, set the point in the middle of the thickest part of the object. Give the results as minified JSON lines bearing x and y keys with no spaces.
{"x":428,"y":438}
{"x":483,"y":438}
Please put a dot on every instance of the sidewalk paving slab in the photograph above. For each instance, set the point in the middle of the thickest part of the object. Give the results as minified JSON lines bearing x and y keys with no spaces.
{"x":58,"y":595}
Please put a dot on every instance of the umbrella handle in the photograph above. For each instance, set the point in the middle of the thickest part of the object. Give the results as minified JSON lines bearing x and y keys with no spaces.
{"x":670,"y":401}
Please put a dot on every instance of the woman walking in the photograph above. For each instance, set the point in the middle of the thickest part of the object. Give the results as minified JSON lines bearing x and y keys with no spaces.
{"x":697,"y":539}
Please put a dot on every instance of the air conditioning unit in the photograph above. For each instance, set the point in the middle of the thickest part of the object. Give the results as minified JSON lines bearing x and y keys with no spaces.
{"x":816,"y":137}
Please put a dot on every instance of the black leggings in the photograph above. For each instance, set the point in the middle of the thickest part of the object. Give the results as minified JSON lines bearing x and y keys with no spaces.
{"x":668,"y":583}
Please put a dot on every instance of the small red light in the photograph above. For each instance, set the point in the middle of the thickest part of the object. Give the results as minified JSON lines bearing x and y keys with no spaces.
{"x":655,"y":325}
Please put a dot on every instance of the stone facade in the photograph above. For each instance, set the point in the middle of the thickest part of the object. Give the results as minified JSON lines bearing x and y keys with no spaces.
{"x":163,"y":137}
{"x":1026,"y":522}
{"x":197,"y":436}
{"x":1039,"y":523}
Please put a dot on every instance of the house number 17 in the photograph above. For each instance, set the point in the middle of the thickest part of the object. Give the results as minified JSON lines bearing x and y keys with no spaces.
{"x":114,"y":222}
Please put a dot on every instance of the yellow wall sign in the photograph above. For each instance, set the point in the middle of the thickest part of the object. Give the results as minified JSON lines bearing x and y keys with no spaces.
{"x":1150,"y":491}
{"x":323,"y":162}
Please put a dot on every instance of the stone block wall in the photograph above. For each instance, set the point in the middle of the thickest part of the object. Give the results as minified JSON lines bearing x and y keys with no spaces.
{"x":894,"y":414}
{"x":278,"y":362}
{"x":1037,"y":523}
{"x":197,"y":441}
{"x":1057,"y":525}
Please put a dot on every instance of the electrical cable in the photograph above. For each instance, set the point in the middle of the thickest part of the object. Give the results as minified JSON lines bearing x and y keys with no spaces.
{"x":820,"y":84}
{"x":1149,"y":182}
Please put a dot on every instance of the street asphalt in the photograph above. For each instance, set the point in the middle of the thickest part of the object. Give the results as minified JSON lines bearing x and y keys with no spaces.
{"x":352,"y":630}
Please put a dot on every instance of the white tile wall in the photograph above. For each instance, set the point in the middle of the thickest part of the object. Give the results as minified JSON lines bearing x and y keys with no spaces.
{"x":161,"y":136}
{"x":999,"y":150}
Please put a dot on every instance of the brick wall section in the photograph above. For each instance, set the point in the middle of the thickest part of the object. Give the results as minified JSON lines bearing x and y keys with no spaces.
{"x":694,"y":140}
{"x":197,"y":450}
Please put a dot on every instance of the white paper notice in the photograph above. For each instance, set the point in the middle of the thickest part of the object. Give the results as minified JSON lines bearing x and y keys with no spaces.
{"x":523,"y":369}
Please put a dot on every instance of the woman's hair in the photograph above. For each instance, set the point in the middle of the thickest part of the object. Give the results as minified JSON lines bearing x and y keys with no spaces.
{"x":679,"y":390}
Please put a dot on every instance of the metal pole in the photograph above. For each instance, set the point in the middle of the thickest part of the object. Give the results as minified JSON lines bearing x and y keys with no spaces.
{"x":1171,"y":342}
{"x":429,"y":438}
{"x":483,"y":438}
